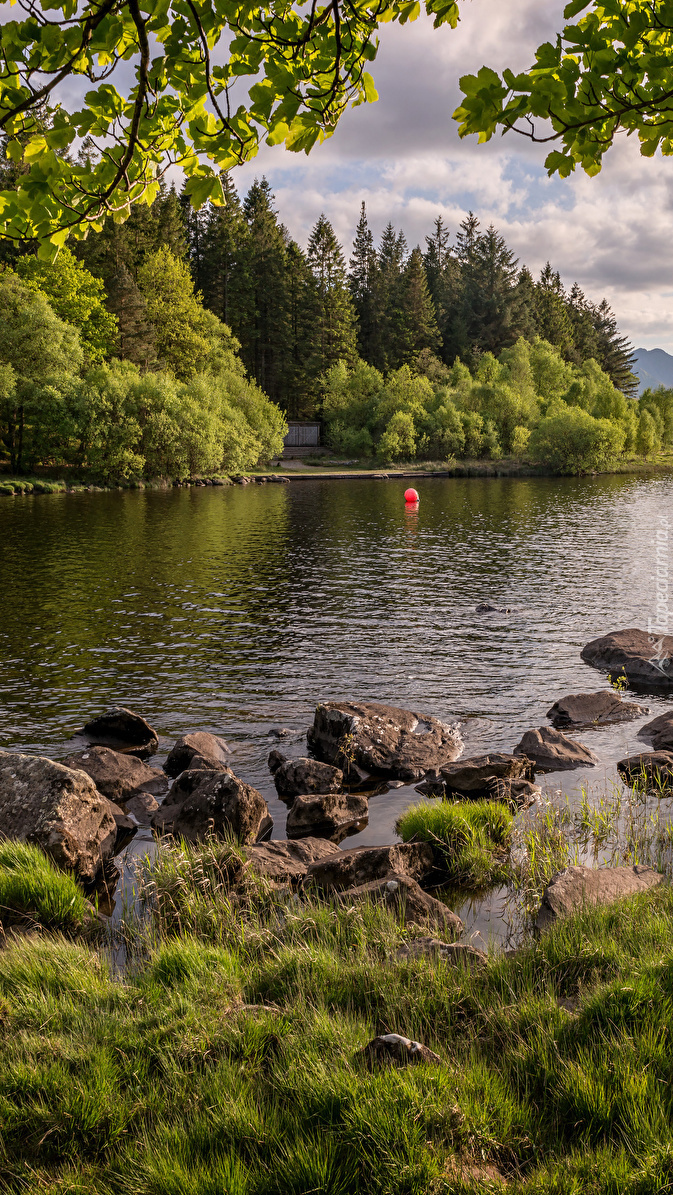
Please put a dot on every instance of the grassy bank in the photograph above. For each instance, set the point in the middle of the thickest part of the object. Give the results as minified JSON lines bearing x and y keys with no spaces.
{"x":225,"y":1060}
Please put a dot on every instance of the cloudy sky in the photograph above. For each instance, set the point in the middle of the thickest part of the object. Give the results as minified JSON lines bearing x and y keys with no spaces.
{"x":403,"y":156}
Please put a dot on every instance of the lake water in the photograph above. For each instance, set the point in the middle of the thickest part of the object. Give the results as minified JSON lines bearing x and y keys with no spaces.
{"x":236,"y":610}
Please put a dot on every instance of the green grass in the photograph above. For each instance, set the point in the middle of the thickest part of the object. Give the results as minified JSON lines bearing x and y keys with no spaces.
{"x":471,"y":837}
{"x":34,"y":892}
{"x":225,"y":1063}
{"x":30,"y":485}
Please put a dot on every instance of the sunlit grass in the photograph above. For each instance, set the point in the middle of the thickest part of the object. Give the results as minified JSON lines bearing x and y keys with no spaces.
{"x":471,"y":837}
{"x":34,"y":892}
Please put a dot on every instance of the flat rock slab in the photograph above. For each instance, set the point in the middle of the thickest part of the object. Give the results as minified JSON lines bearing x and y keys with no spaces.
{"x":382,"y":739}
{"x":458,"y":954}
{"x":472,"y":776}
{"x":594,"y":709}
{"x":289,"y":860}
{"x":552,"y":751}
{"x":213,"y":803}
{"x":646,"y":660}
{"x":391,"y":1049}
{"x":57,"y":809}
{"x":301,"y":777}
{"x":199,"y":749}
{"x":327,"y":815}
{"x":578,"y":887}
{"x":361,"y":865}
{"x":122,"y":730}
{"x":659,"y":731}
{"x":407,"y":900}
{"x":119,"y":777}
{"x":651,"y":768}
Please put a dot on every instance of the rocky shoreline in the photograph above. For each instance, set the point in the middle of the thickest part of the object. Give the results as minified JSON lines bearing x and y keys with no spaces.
{"x":83,"y":810}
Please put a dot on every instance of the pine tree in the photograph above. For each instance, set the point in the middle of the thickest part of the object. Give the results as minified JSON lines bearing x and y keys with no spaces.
{"x":417,"y":328}
{"x":580,"y":314}
{"x":146,"y":230}
{"x":551,"y":312}
{"x":614,"y":353}
{"x":332,"y":326}
{"x":443,"y":275}
{"x":363,"y":281}
{"x":135,"y":339}
{"x":492,"y":308}
{"x":299,"y":286}
{"x":392,"y":255}
{"x":218,"y":253}
{"x":263,"y":328}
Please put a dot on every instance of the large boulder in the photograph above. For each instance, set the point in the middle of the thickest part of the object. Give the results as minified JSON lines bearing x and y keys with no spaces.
{"x":653,"y":769}
{"x":57,"y":809}
{"x":283,"y":861}
{"x":203,"y":802}
{"x":122,"y":730}
{"x":199,"y":749}
{"x":646,"y":660}
{"x":326,"y":816}
{"x":578,"y":887}
{"x":659,"y":731}
{"x":593,"y":709}
{"x":407,"y":900}
{"x":471,"y":777}
{"x":119,"y":777}
{"x":382,"y":739}
{"x":362,"y":864}
{"x":552,"y":751}
{"x":300,"y":777}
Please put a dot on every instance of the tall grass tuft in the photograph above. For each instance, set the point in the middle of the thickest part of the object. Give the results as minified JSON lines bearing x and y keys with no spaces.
{"x":34,"y":892}
{"x":471,"y":837}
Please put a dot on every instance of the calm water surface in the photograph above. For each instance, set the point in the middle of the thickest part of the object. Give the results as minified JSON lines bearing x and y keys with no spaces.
{"x":236,"y":610}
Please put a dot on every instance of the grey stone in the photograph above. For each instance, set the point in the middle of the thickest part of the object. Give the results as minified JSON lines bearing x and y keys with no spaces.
{"x":391,"y":1049}
{"x":119,"y":777}
{"x":122,"y":730}
{"x":659,"y":731}
{"x":301,"y":777}
{"x":518,"y":794}
{"x":471,"y":776}
{"x":57,"y":809}
{"x":594,"y":709}
{"x":458,"y":954}
{"x":552,"y":751}
{"x":407,"y":900}
{"x":654,"y":768}
{"x":283,"y":860}
{"x":382,"y":739}
{"x":326,"y":815}
{"x":579,"y":887}
{"x":212,"y":753}
{"x":218,"y":803}
{"x":488,"y":608}
{"x":361,"y":865}
{"x":647,"y":660}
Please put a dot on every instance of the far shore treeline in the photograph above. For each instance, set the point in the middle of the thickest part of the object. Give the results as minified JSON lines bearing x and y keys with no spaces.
{"x":179,"y":342}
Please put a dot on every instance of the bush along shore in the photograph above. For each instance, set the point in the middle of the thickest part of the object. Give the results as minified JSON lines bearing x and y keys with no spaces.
{"x":287,"y":1016}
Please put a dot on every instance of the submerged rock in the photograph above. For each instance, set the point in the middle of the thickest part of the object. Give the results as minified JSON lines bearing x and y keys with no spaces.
{"x":646,"y":660}
{"x":289,"y":860}
{"x":362,"y":864}
{"x":199,"y":749}
{"x":593,"y":709}
{"x":459,"y":954}
{"x":659,"y":731}
{"x":408,"y":900}
{"x":472,"y":776}
{"x":577,"y":887}
{"x":489,"y":608}
{"x":326,"y":815}
{"x":122,"y":730}
{"x":382,"y":739}
{"x":301,"y":777}
{"x":652,"y":768}
{"x":392,"y":1049}
{"x":57,"y":809}
{"x":204,"y":802}
{"x":552,"y":751}
{"x":119,"y":777}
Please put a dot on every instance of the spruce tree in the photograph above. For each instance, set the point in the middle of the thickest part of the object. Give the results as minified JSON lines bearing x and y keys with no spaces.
{"x":551,"y":312}
{"x":417,"y":327}
{"x":492,"y":308}
{"x":363,"y":281}
{"x":135,"y":338}
{"x":614,"y":353}
{"x":219,"y":259}
{"x":332,"y":319}
{"x":263,"y":328}
{"x":299,"y":387}
{"x":443,"y":275}
{"x":391,"y":258}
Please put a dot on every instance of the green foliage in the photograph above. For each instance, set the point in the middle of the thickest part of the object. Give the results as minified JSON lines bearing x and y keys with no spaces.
{"x":77,"y":298}
{"x":184,"y":333}
{"x":648,"y":437}
{"x":572,"y":441}
{"x":34,"y":893}
{"x":472,"y":837}
{"x":610,"y":70}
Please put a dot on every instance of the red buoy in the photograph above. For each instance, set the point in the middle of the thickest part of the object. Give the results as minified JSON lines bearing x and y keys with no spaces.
{"x":411,"y":496}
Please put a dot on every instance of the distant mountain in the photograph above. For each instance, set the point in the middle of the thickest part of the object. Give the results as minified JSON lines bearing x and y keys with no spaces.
{"x":654,"y":368}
